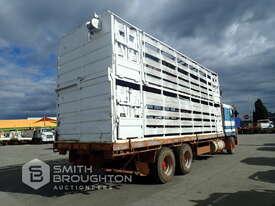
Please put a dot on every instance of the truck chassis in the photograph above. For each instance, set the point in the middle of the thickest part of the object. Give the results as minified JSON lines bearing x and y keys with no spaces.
{"x":143,"y":157}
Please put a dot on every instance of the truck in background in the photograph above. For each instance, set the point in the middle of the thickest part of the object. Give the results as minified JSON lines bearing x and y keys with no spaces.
{"x":43,"y":135}
{"x":128,"y":102}
{"x":16,"y":137}
{"x":264,"y":124}
{"x":38,"y":135}
{"x":4,"y":137}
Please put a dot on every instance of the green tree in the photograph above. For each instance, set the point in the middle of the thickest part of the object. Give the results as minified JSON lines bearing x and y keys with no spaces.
{"x":260,"y":111}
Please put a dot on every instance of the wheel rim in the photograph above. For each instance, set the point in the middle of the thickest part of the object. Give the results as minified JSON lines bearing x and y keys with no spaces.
{"x":167,"y":165}
{"x":187,"y":158}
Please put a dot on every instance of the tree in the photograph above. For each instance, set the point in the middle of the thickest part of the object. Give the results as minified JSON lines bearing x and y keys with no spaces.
{"x":260,"y":111}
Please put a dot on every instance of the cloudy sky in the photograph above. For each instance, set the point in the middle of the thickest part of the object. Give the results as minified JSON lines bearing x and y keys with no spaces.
{"x":234,"y":38}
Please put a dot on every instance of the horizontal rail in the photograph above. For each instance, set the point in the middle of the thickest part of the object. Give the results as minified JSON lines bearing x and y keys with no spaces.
{"x":130,"y":146}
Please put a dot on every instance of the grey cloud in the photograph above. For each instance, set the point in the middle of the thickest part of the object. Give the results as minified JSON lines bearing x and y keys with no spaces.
{"x":234,"y":38}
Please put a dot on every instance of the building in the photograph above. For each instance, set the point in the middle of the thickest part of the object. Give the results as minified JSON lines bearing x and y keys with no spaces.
{"x":28,"y":123}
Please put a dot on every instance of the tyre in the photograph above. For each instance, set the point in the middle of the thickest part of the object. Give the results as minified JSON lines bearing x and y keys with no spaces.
{"x":232,"y":141}
{"x":164,"y":167}
{"x":184,"y":158}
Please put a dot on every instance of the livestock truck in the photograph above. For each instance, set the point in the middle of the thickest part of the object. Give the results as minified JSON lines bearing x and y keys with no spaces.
{"x":128,"y":102}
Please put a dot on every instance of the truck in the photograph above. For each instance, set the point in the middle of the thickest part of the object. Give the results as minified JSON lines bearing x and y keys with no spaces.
{"x":4,"y":137}
{"x":16,"y":137}
{"x":265,"y":124}
{"x":127,"y":102}
{"x":43,"y":135}
{"x":261,"y":126}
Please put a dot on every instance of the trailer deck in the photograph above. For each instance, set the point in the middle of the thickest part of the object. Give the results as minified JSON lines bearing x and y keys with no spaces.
{"x":132,"y":145}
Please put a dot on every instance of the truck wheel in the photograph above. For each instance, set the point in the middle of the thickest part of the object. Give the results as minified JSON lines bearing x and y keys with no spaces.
{"x":184,"y":158}
{"x":164,"y":167}
{"x":232,"y":141}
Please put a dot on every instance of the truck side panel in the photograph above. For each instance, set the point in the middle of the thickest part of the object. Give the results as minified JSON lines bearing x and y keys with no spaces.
{"x":160,"y":92}
{"x":119,"y":83}
{"x":84,"y":90}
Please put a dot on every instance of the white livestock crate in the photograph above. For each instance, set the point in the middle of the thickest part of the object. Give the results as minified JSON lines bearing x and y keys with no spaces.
{"x":116,"y":82}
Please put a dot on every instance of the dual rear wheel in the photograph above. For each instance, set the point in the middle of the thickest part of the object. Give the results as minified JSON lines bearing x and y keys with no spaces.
{"x":169,"y":162}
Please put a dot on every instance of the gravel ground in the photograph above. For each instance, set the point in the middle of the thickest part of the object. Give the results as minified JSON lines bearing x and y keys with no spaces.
{"x":245,"y":178}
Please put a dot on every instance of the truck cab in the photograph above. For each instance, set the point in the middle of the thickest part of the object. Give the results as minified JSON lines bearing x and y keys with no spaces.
{"x":229,"y":120}
{"x":44,"y":135}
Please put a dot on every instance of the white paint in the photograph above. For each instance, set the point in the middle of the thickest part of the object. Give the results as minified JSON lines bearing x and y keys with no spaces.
{"x":229,"y":123}
{"x":92,"y":108}
{"x":230,"y":130}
